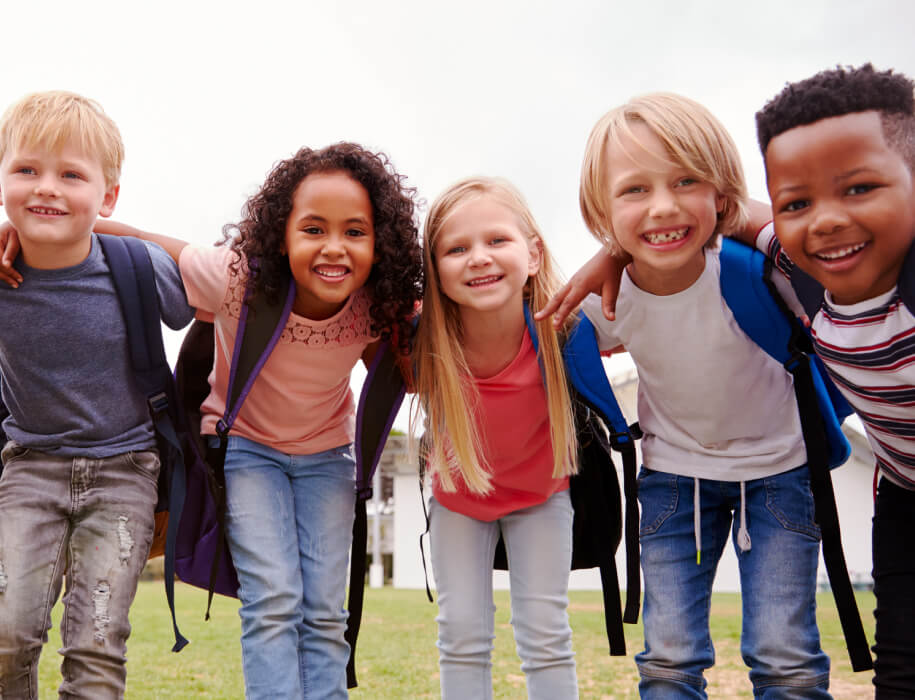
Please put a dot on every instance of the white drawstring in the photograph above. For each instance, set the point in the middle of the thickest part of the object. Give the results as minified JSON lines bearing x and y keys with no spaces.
{"x":743,"y":536}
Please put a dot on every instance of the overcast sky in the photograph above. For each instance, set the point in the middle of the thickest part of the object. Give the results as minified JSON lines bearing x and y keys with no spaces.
{"x":209,"y":95}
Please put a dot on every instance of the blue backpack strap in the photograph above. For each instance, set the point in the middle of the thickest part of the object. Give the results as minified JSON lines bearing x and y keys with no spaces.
{"x":135,"y":283}
{"x":764,"y":317}
{"x":585,"y":372}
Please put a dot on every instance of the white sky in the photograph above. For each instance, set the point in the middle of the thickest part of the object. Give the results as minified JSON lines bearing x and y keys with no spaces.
{"x":209,"y":95}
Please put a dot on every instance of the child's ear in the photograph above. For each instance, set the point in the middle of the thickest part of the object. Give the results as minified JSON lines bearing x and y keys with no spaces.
{"x":720,"y":202}
{"x":535,"y":257}
{"x":110,"y":199}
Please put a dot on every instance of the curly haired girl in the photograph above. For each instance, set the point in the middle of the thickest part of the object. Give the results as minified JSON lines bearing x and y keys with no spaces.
{"x":341,"y":220}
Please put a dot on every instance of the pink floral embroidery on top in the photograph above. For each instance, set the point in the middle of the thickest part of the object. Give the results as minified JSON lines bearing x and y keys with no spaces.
{"x":353,"y":325}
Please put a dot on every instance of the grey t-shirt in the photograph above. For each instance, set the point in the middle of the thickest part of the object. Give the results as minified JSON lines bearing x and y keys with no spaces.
{"x":65,"y":373}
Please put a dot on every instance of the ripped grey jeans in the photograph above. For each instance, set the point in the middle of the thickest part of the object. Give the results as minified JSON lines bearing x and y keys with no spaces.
{"x":88,"y":519}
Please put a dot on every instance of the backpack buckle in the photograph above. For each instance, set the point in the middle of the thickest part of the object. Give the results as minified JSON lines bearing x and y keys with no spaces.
{"x":158,"y":402}
{"x":364,"y":493}
{"x":222,"y":430}
{"x":793,"y":362}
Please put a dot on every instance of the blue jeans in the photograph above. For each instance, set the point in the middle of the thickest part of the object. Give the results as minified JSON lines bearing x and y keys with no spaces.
{"x":92,"y":518}
{"x":289,"y":527}
{"x":780,"y":641}
{"x":538,"y":542}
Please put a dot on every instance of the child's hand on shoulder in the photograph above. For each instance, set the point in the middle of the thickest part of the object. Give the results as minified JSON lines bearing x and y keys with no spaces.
{"x":9,"y":249}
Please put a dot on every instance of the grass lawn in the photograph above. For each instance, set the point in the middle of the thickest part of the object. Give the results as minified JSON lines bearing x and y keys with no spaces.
{"x":396,"y":656}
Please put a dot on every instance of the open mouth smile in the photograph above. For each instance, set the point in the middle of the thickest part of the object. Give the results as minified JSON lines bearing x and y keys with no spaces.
{"x":46,"y":211}
{"x":666,"y":236}
{"x":332,"y":273}
{"x":839,"y":253}
{"x":481,"y":281}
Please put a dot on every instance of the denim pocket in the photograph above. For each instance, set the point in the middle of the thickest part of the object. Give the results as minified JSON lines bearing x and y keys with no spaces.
{"x":145,"y":463}
{"x":790,"y":501}
{"x":658,"y":497}
{"x":11,"y":452}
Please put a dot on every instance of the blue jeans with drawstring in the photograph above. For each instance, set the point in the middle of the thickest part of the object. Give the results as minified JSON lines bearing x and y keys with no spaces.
{"x":780,"y":641}
{"x":289,"y":525}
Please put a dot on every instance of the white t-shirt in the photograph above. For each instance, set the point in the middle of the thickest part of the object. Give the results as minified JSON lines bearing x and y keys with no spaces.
{"x":711,"y":403}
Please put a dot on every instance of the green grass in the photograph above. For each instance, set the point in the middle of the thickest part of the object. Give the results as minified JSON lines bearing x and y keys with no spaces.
{"x":397,"y":658}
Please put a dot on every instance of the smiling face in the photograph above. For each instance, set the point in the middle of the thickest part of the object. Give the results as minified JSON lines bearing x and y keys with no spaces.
{"x":660,"y":213}
{"x":844,"y":204}
{"x":483,"y":258}
{"x":330,"y":241}
{"x":52,"y":199}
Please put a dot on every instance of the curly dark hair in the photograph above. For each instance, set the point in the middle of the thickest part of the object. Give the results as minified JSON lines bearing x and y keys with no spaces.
{"x":841,"y":91}
{"x":395,"y":282}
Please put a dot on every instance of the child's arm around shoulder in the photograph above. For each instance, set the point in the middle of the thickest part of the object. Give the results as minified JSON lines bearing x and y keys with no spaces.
{"x":172,"y":246}
{"x":600,"y":275}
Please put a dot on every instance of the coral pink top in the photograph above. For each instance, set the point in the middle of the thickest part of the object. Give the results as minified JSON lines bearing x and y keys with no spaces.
{"x":513,"y":422}
{"x":301,"y":402}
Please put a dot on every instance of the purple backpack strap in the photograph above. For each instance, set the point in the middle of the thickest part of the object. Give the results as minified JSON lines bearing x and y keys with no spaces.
{"x":250,"y":353}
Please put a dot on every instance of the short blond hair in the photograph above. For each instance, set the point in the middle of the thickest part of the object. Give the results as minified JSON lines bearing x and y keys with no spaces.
{"x":50,"y":120}
{"x":694,"y":139}
{"x":444,"y":384}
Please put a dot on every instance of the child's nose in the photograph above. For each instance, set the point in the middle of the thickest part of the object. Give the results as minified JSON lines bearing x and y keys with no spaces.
{"x":828,"y":218}
{"x":663,"y":203}
{"x":46,"y":187}
{"x":333,"y":245}
{"x":479,"y":256}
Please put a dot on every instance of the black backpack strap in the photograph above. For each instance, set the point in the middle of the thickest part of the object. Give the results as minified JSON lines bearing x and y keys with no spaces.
{"x":631,"y":530}
{"x":824,"y":499}
{"x":422,"y":499}
{"x":906,"y":282}
{"x":381,"y":397}
{"x":809,"y":292}
{"x":135,"y":283}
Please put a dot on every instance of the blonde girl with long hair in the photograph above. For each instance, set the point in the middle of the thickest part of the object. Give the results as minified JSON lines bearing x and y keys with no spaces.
{"x":500,"y":440}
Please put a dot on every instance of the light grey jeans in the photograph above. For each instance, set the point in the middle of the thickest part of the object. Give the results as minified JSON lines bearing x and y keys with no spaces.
{"x":93,"y":520}
{"x":538,"y":541}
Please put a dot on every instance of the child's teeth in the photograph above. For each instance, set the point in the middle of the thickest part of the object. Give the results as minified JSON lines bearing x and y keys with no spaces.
{"x":666,"y":237}
{"x":841,"y":252}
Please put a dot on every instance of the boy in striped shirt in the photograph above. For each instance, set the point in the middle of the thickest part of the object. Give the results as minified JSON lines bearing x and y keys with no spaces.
{"x":839,"y":150}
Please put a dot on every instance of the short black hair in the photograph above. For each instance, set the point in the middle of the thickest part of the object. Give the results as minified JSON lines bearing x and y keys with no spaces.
{"x":841,"y":91}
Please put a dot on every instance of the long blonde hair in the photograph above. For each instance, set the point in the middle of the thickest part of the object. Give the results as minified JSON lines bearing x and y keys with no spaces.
{"x":445,"y":389}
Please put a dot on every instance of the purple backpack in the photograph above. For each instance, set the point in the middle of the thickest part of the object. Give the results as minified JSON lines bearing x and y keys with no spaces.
{"x":202,"y":558}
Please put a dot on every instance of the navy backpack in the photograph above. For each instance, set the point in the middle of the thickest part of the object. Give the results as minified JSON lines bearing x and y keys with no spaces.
{"x":135,"y":283}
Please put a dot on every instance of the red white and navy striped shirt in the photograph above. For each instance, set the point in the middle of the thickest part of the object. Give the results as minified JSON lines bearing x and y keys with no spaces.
{"x":869,"y":350}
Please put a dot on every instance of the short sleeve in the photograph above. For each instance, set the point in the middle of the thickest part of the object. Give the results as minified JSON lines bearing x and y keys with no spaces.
{"x":176,"y":313}
{"x":605,"y":330}
{"x":206,"y":275}
{"x":768,"y":244}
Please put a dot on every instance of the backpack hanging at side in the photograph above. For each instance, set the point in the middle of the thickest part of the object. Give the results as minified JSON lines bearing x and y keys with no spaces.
{"x":597,"y":523}
{"x":135,"y":283}
{"x":763,"y":315}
